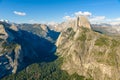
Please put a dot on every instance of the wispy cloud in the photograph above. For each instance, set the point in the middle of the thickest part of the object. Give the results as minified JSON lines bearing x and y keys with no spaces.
{"x":76,"y":14}
{"x":19,"y":13}
{"x":68,"y":18}
{"x":114,"y":21}
{"x":117,"y":19}
{"x":97,"y":18}
{"x":79,"y":13}
{"x":93,"y":19}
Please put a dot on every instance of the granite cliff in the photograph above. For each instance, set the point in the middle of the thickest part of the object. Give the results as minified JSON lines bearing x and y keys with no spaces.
{"x":89,"y":53}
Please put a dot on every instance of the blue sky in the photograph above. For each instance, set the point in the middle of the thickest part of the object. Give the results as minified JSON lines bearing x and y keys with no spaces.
{"x":28,"y":11}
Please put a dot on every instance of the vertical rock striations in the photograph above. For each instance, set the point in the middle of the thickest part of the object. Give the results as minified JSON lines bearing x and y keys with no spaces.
{"x":82,"y":21}
{"x":89,"y":53}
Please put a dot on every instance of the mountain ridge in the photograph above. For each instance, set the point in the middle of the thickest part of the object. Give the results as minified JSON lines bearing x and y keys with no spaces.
{"x":89,"y":53}
{"x":20,"y":48}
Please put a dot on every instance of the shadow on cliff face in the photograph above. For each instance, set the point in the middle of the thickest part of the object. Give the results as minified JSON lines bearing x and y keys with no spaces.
{"x":34,"y":49}
{"x":53,"y":34}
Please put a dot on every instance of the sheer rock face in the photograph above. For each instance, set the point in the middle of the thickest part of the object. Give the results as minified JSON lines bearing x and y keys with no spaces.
{"x":10,"y":52}
{"x":13,"y":27}
{"x":89,"y":54}
{"x":3,"y":33}
{"x":64,"y":25}
{"x":18,"y":58}
{"x":44,"y":27}
{"x":80,"y":21}
{"x":83,"y":21}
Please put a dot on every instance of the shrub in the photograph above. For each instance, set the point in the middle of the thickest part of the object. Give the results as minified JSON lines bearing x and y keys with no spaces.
{"x":102,"y":41}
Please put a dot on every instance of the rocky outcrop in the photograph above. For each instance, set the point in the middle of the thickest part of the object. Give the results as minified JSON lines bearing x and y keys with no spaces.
{"x":13,"y":27}
{"x":89,"y":54}
{"x":3,"y":33}
{"x":82,"y":21}
{"x":10,"y":59}
{"x":40,"y":30}
{"x":9,"y":52}
{"x":18,"y":58}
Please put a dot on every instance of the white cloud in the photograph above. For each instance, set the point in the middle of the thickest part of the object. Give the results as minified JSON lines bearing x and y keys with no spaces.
{"x":68,"y":18}
{"x":19,"y":13}
{"x":97,"y":18}
{"x":83,"y":13}
{"x":79,"y":13}
{"x":109,"y":20}
{"x":114,"y":23}
{"x":93,"y":19}
{"x":117,"y":19}
{"x":3,"y":20}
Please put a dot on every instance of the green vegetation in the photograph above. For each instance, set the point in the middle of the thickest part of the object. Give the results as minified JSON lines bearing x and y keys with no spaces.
{"x":71,"y":33}
{"x":115,"y":43}
{"x":82,"y":37}
{"x":83,"y":33}
{"x":8,"y":47}
{"x":102,"y":41}
{"x":69,"y":29}
{"x":75,"y":76}
{"x":100,"y":53}
{"x":1,"y":39}
{"x":44,"y":71}
{"x":85,"y":29}
{"x":111,"y":58}
{"x":99,"y":56}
